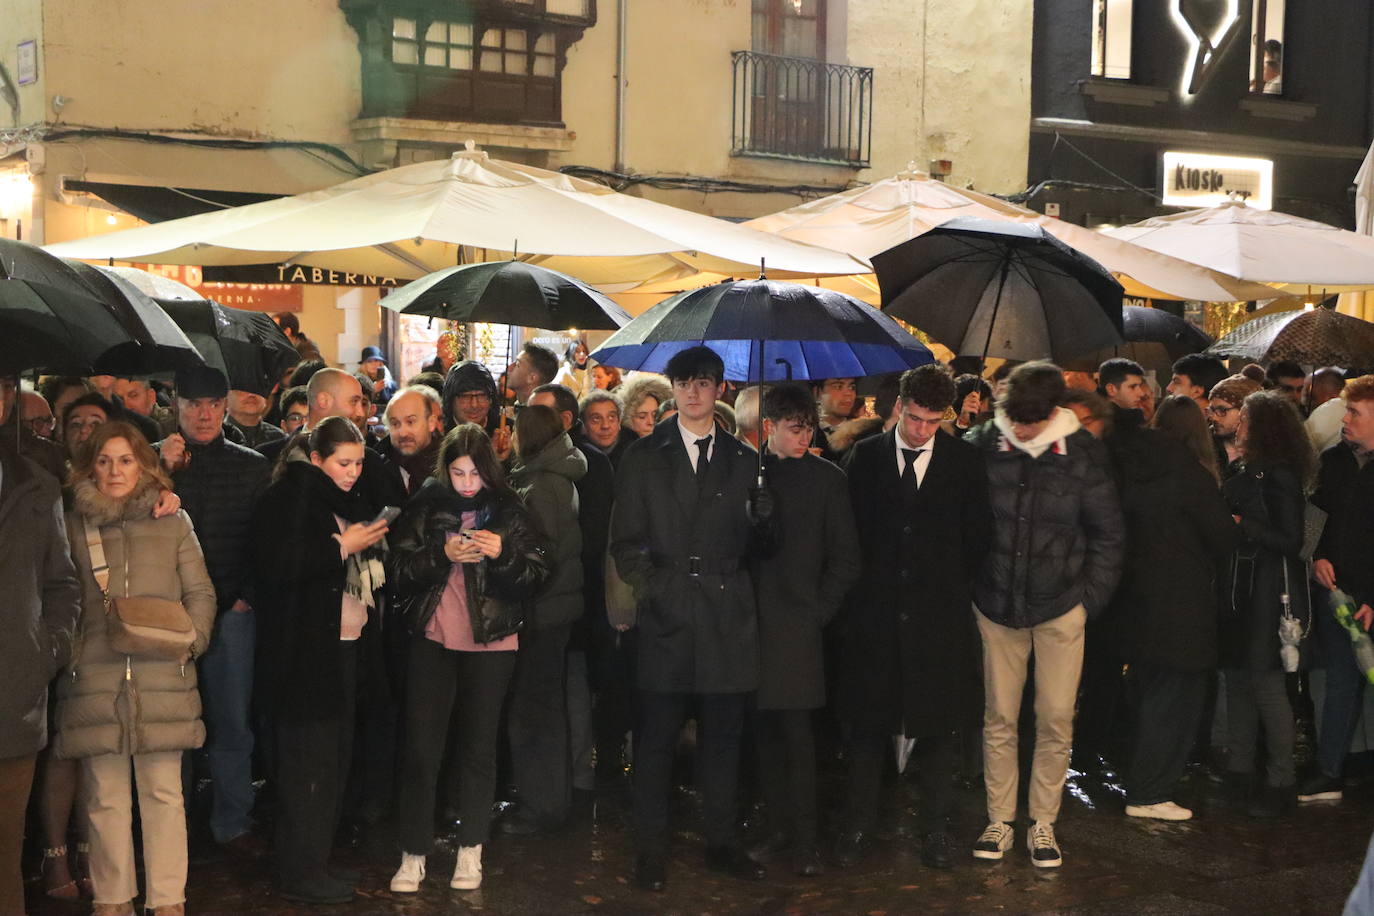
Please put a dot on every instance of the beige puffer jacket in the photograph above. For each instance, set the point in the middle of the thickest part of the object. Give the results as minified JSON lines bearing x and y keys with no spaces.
{"x":115,"y":704}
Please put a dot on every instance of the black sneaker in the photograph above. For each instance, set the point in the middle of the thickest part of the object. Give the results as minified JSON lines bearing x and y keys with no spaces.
{"x":1043,"y":846}
{"x":994,"y":842}
{"x":1321,"y":788}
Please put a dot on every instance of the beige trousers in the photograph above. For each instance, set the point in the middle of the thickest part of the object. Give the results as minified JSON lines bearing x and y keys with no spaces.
{"x":1058,"y":648}
{"x":109,"y":788}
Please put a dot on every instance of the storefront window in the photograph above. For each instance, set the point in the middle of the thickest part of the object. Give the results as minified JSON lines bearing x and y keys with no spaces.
{"x":1112,"y":39}
{"x":1266,"y":47}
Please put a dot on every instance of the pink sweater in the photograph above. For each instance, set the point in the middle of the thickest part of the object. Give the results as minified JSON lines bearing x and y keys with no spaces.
{"x":450,"y":626}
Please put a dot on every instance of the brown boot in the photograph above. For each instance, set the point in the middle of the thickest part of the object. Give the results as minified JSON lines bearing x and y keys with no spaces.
{"x":113,"y":909}
{"x":171,"y":909}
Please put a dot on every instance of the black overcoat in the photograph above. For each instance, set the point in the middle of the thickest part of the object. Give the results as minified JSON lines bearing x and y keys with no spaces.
{"x":1269,"y":501}
{"x":802,"y":583}
{"x":911,"y":648}
{"x":697,"y":633}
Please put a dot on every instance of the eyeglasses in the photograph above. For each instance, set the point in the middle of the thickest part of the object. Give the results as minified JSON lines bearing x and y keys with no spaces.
{"x":41,"y":426}
{"x":475,"y":397}
{"x":1219,"y":411}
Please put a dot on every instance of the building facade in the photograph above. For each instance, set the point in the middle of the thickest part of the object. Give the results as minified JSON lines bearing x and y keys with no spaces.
{"x":735,"y":108}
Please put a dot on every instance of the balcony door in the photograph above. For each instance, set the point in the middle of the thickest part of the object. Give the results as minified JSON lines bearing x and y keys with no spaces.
{"x":789,"y":90}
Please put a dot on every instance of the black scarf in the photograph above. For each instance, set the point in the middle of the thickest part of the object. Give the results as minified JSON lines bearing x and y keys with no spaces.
{"x":316,"y":485}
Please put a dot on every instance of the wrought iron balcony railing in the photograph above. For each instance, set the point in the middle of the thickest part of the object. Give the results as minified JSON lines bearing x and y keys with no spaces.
{"x":799,"y":108}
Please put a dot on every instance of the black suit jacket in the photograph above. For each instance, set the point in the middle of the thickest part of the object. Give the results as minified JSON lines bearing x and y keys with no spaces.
{"x":911,"y":645}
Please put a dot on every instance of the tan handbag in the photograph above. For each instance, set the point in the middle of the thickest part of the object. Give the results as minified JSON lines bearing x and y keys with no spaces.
{"x":147,"y":627}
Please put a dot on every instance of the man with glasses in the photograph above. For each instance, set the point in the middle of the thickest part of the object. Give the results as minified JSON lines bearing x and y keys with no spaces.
{"x":470,"y":397}
{"x":295,"y":409}
{"x":910,"y":664}
{"x":1223,"y":415}
{"x":35,"y":413}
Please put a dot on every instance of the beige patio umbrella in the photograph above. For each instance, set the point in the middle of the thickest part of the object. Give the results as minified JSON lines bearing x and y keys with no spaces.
{"x":409,"y":221}
{"x":1360,"y":304}
{"x":866,"y":220}
{"x":1299,"y":256}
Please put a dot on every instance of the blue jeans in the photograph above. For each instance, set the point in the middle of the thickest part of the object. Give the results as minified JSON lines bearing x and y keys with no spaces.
{"x":226,"y":691}
{"x":1344,"y":690}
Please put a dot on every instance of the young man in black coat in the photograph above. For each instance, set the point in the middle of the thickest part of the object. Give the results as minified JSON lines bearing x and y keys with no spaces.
{"x":1054,"y":561}
{"x":684,"y":525}
{"x":910,"y":663}
{"x":800,"y":588}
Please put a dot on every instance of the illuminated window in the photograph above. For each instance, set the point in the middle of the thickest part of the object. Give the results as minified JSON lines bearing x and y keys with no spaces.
{"x":1267,"y":47}
{"x":1112,"y":39}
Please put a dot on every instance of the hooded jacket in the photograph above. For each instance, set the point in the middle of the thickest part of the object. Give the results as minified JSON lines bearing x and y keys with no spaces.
{"x":108,"y":703}
{"x":1057,"y":538}
{"x":42,"y":600}
{"x":418,"y":569}
{"x":469,"y":375}
{"x":547,"y":482}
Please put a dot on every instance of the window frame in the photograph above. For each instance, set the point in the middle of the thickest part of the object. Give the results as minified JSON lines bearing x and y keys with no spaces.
{"x":1099,"y":63}
{"x":775,"y":14}
{"x":1258,"y":36}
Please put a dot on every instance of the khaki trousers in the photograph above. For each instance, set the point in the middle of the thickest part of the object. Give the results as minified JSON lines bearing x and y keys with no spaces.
{"x":1058,"y":648}
{"x":16,"y":778}
{"x":109,"y":803}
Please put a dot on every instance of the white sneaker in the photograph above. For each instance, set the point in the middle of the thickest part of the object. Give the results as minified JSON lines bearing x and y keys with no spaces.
{"x":1163,"y":811}
{"x":1043,"y":846}
{"x":994,"y":842}
{"x":467,"y":871}
{"x":408,"y":877}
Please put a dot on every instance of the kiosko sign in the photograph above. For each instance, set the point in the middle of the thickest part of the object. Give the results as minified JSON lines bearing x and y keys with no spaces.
{"x":1206,"y":179}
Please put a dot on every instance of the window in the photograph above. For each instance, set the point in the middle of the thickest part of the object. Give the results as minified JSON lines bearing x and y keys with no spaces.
{"x":446,"y":45}
{"x":791,"y":28}
{"x":1112,"y":39}
{"x":573,"y":9}
{"x":1266,"y":47}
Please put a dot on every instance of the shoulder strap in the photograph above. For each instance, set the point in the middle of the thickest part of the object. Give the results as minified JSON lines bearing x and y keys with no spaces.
{"x":99,"y":568}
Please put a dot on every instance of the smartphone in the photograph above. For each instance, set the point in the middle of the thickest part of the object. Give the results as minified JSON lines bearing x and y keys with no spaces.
{"x":388,"y":515}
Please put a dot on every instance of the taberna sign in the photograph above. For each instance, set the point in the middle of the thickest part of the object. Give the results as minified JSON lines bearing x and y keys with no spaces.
{"x":1207,"y":179}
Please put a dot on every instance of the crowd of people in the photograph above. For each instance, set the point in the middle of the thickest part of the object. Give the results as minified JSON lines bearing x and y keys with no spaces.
{"x":360,"y":590}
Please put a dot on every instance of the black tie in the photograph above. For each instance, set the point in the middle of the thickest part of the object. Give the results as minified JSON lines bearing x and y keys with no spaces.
{"x":909,"y":472}
{"x":703,"y":457}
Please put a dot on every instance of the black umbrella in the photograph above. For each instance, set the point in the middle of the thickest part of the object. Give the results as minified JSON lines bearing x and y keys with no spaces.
{"x":1315,"y":337}
{"x":989,"y":288}
{"x":766,"y":330}
{"x":53,"y":317}
{"x":508,"y":292}
{"x":159,"y":345}
{"x":246,"y":346}
{"x":1154,"y":338}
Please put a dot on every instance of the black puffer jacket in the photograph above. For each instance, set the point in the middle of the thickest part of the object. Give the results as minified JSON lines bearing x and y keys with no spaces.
{"x":418,"y":569}
{"x":218,"y":489}
{"x":1058,"y":536}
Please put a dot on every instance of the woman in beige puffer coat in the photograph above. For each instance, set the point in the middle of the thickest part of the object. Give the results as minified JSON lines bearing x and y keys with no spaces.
{"x":114,"y":709}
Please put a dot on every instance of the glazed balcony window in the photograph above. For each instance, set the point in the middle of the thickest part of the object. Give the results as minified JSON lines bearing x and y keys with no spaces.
{"x":1112,"y":39}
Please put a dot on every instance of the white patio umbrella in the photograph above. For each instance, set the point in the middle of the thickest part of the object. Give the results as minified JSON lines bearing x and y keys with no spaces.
{"x":866,"y":220}
{"x":409,"y":221}
{"x":1263,"y":246}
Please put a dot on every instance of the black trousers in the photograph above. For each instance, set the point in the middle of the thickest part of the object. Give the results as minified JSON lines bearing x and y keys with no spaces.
{"x":786,"y":750}
{"x":537,"y":726}
{"x":612,"y":658}
{"x":660,"y":721}
{"x":1169,"y":705}
{"x":1101,"y":694}
{"x":448,"y":691}
{"x":313,"y":757}
{"x":933,"y":757}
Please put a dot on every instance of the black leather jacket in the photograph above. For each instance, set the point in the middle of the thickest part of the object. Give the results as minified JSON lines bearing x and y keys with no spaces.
{"x":418,"y":569}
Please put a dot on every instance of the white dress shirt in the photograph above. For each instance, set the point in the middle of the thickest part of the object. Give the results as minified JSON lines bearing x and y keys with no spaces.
{"x":689,"y":440}
{"x":922,"y":461}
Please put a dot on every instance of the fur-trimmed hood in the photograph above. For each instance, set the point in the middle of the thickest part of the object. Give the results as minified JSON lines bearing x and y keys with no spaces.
{"x":850,"y":431}
{"x":100,"y":509}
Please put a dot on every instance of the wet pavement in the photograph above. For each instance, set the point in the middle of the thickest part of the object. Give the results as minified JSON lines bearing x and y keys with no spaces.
{"x":1222,"y":862}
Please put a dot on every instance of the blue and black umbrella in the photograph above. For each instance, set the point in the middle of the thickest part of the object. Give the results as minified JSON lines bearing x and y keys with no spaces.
{"x":768,"y":331}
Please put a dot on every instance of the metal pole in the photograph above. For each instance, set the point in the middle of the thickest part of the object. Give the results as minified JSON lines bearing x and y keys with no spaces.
{"x":996,"y":305}
{"x":622,"y":12}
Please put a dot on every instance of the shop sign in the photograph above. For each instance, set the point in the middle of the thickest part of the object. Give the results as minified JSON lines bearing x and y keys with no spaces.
{"x":1207,"y":179}
{"x":296,"y":273}
{"x":257,"y":297}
